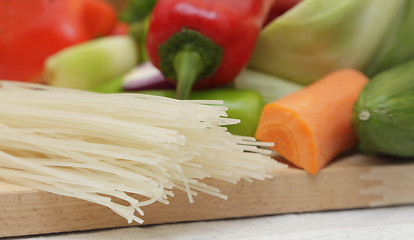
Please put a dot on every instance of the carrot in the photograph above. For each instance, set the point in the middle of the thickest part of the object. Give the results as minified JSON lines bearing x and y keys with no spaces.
{"x":313,"y":125}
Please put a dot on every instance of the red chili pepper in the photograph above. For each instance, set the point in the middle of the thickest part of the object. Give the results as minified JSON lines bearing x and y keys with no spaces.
{"x":30,"y":31}
{"x":208,"y":41}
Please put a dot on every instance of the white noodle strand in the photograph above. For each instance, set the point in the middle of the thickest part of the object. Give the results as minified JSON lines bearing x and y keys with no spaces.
{"x":122,"y":151}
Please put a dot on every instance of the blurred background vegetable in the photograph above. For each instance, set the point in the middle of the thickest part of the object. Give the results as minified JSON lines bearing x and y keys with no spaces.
{"x":87,"y":65}
{"x":279,"y":7}
{"x":145,"y":76}
{"x":270,"y":87}
{"x":33,"y":30}
{"x":398,"y":45}
{"x":316,"y":37}
{"x":136,"y":13}
{"x":136,"y":10}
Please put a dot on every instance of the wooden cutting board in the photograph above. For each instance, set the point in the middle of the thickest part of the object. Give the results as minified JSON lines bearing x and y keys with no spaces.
{"x":353,"y":181}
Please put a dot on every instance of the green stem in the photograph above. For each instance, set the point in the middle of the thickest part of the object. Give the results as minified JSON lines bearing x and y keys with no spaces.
{"x":188,"y":56}
{"x":138,"y":31}
{"x":188,"y":66}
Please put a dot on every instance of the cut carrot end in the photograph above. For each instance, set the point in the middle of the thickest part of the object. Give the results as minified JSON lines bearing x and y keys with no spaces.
{"x":312,"y":126}
{"x":299,"y":149}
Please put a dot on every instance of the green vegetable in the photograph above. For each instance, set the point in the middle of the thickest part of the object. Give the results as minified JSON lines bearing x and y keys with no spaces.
{"x":136,"y":10}
{"x":317,"y":37}
{"x":270,"y":87}
{"x":89,"y":64}
{"x":383,"y":116}
{"x":114,"y":85}
{"x":245,"y":105}
{"x":139,"y":30}
{"x":398,"y":46}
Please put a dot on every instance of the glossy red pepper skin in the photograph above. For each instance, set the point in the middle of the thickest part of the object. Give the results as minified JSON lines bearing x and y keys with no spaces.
{"x":33,"y":30}
{"x":232,"y":24}
{"x":279,"y":8}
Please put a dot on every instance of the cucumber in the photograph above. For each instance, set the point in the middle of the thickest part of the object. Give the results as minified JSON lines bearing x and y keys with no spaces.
{"x":383,"y":116}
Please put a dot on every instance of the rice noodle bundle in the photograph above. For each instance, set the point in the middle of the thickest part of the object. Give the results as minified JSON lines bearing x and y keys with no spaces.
{"x":98,"y":147}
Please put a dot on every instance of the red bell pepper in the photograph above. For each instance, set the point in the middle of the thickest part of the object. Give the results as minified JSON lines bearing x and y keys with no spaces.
{"x":279,"y":8}
{"x":33,"y":30}
{"x":204,"y":41}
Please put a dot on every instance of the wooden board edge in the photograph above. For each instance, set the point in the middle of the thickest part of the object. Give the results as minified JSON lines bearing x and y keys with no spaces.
{"x":352,"y":183}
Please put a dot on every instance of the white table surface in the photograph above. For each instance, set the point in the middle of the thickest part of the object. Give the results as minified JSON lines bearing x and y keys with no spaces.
{"x":395,"y":223}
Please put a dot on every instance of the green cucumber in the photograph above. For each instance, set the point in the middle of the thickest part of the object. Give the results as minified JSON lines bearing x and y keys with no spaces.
{"x":383,"y":116}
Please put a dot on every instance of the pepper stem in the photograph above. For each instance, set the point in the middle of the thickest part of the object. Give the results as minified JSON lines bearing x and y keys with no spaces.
{"x":188,"y":66}
{"x":188,"y":56}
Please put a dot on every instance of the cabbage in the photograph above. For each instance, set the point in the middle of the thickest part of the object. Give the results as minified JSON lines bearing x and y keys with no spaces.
{"x":398,"y":46}
{"x":318,"y":36}
{"x":270,"y":87}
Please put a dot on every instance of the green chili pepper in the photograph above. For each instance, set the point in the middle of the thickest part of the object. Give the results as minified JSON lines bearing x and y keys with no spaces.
{"x":245,"y":105}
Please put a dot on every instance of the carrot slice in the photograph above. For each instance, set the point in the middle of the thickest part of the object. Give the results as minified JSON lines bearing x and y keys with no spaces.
{"x":313,"y":125}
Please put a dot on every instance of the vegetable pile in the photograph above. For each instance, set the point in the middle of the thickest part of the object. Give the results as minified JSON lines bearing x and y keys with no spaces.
{"x":314,"y":78}
{"x":34,"y":30}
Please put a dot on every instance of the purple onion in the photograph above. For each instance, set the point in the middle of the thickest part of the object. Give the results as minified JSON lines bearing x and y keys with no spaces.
{"x":144,"y":77}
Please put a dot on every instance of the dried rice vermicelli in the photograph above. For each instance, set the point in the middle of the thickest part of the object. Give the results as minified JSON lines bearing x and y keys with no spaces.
{"x":98,"y":147}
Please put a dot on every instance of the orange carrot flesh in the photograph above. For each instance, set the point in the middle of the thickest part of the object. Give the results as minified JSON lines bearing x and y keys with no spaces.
{"x":312,"y":126}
